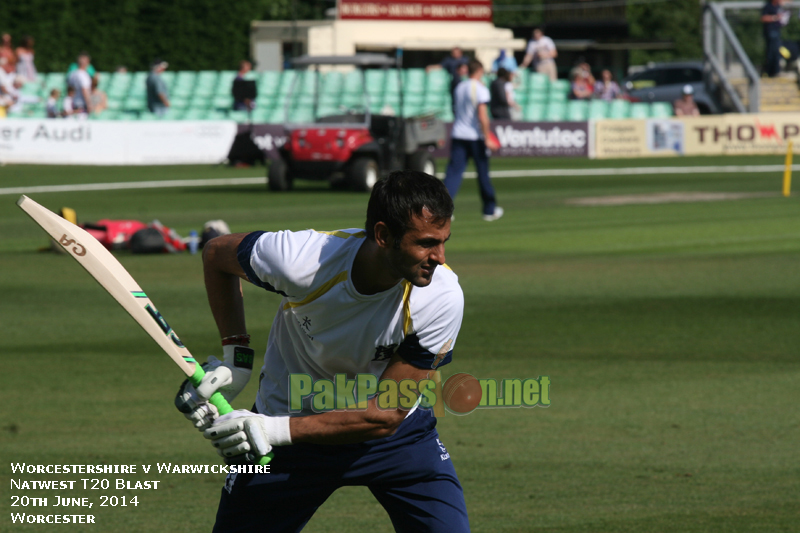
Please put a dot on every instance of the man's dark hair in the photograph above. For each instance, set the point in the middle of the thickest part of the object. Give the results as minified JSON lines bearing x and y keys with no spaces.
{"x":405,"y":193}
{"x":503,"y":74}
{"x":474,"y":66}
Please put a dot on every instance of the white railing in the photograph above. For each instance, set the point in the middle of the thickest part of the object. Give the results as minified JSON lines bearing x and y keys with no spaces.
{"x":725,"y":57}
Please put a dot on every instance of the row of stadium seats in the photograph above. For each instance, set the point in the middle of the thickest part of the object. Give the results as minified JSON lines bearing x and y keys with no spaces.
{"x":206,"y":95}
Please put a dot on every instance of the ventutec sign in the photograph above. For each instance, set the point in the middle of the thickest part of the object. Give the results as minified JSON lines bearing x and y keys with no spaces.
{"x":541,"y":139}
{"x":90,"y":142}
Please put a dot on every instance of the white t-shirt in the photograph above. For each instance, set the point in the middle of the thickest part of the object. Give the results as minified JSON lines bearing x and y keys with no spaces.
{"x":468,"y":95}
{"x":545,"y":44}
{"x":325,"y":327}
{"x":79,"y":79}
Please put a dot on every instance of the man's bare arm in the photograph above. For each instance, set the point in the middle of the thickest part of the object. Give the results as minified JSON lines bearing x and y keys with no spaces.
{"x":222,"y":273}
{"x":346,"y":427}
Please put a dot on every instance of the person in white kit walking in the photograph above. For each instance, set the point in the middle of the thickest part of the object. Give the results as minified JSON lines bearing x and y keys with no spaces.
{"x":472,"y":137}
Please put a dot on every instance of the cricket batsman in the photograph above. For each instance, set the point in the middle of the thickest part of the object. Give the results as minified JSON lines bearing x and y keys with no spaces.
{"x":377,"y":301}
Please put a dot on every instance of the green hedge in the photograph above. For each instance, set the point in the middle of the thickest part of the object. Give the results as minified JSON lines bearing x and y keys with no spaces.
{"x":190,"y":34}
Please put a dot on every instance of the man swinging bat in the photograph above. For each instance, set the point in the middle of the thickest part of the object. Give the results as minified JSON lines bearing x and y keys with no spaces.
{"x":376,"y":301}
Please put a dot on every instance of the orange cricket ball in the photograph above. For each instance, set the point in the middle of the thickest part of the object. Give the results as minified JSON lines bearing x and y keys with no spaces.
{"x":462,"y":393}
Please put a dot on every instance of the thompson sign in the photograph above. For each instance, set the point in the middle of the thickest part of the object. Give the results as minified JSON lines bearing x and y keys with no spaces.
{"x":732,"y":134}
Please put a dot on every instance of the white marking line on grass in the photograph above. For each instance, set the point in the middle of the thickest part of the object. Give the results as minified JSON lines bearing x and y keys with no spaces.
{"x":721,"y":169}
{"x":728,"y":169}
{"x":133,"y":185}
{"x":666,"y":198}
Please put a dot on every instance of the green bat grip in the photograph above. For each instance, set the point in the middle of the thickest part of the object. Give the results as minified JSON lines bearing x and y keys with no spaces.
{"x":221,"y":404}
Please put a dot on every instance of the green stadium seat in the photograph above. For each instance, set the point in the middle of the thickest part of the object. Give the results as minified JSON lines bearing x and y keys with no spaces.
{"x":261,"y":116}
{"x":392,"y":83}
{"x":332,"y":84}
{"x":353,"y":83}
{"x":239,"y":116}
{"x":640,"y":110}
{"x":521,"y":80}
{"x":214,"y":114}
{"x":661,"y":110}
{"x":446,"y":115}
{"x":199,"y":101}
{"x":438,"y":81}
{"x":577,"y":110}
{"x":598,"y":109}
{"x":194,"y":114}
{"x":534,"y":112}
{"x":414,"y":80}
{"x":222,"y":102}
{"x":538,"y":82}
{"x":330,"y":99}
{"x":619,"y":109}
{"x":172,"y":114}
{"x":268,"y":82}
{"x":375,"y":80}
{"x":556,"y":111}
{"x":145,"y":115}
{"x":134,"y":104}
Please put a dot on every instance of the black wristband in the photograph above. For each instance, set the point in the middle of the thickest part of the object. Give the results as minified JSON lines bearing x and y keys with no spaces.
{"x":243,"y":357}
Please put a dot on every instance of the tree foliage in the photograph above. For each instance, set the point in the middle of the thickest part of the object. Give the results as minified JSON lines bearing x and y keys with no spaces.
{"x":678,"y":21}
{"x":190,"y":34}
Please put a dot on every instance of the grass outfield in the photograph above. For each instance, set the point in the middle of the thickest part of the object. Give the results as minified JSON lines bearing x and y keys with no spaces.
{"x":670,"y":334}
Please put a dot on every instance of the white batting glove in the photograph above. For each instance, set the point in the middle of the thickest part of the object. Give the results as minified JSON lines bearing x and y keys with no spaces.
{"x":247,"y":434}
{"x":227,"y":377}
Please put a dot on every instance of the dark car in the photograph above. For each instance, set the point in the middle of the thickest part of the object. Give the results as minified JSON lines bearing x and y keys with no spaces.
{"x":664,"y":82}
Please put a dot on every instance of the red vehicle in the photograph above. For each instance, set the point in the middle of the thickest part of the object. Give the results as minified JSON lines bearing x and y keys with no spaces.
{"x":349,"y":145}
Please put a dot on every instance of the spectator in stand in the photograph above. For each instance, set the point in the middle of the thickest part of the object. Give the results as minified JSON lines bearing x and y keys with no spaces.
{"x":246,"y":104}
{"x":89,"y":68}
{"x":541,"y":54}
{"x":501,"y":91}
{"x":686,"y":106}
{"x":52,"y":104}
{"x":157,"y":93}
{"x":25,"y":67}
{"x":81,"y":81}
{"x":451,"y":63}
{"x":582,"y":87}
{"x":461,"y":75}
{"x":607,"y":89}
{"x":507,"y":62}
{"x":772,"y":15}
{"x":7,"y":52}
{"x":98,"y":97}
{"x":67,"y":106}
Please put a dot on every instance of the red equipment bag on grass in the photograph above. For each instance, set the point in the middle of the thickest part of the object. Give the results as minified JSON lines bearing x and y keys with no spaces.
{"x":113,"y":234}
{"x":156,"y":238}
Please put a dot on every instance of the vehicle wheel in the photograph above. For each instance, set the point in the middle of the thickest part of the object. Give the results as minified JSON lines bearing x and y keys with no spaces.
{"x":363,"y":174}
{"x":278,"y":178}
{"x":423,"y":162}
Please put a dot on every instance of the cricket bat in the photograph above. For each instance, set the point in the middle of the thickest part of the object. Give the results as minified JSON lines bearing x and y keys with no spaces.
{"x":109,"y":273}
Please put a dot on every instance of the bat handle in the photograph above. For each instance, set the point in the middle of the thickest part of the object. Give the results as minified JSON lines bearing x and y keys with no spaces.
{"x":222,"y":405}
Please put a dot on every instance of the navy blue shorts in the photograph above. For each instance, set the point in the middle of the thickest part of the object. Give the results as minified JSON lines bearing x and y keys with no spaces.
{"x":410,"y":473}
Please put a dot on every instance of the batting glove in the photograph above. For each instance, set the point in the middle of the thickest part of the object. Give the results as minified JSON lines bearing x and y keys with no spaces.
{"x":246,"y":436}
{"x":228,"y":377}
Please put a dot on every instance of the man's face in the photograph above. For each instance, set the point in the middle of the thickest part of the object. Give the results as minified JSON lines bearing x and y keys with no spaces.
{"x":537,"y":34}
{"x":421,"y":249}
{"x":456,"y":53}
